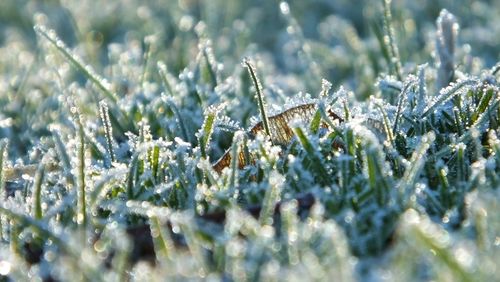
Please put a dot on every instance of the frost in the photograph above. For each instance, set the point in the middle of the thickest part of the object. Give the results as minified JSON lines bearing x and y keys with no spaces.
{"x":445,"y":45}
{"x":227,"y":124}
{"x":372,"y":164}
{"x":449,"y":92}
{"x":390,"y":83}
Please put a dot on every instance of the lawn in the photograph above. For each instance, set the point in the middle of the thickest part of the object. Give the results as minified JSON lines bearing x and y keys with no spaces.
{"x":261,"y":140}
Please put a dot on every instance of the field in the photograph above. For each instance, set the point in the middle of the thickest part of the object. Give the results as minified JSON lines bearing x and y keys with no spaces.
{"x":261,"y":140}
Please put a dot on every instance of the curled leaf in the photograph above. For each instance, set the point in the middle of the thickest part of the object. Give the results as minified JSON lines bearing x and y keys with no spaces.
{"x":280,"y":131}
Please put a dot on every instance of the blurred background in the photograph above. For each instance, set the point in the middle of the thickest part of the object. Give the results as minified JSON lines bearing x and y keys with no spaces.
{"x":333,"y":31}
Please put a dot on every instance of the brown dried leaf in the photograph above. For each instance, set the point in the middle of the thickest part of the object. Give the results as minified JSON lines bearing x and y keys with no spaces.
{"x":281,"y":132}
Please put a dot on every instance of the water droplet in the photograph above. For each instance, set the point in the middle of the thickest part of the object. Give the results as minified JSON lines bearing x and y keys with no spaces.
{"x":5,"y":267}
{"x":284,"y":8}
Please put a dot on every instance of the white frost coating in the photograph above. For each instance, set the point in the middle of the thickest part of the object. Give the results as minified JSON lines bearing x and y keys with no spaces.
{"x":445,"y":46}
{"x":276,"y":179}
{"x":373,"y":111}
{"x":296,"y":101}
{"x":325,"y":87}
{"x":226,"y":87}
{"x":51,"y":36}
{"x":422,"y":90}
{"x":449,"y":92}
{"x":227,"y":124}
{"x":144,"y":147}
{"x":389,"y":83}
{"x":182,"y":145}
{"x":407,"y":94}
{"x":362,"y":131}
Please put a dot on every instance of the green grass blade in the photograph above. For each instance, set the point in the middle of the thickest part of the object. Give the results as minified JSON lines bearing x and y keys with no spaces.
{"x":164,"y":75}
{"x":146,"y":57}
{"x":407,"y":182}
{"x":260,"y":95}
{"x":385,"y":121}
{"x":483,"y":104}
{"x":163,"y":243}
{"x":390,"y":40}
{"x":208,"y":55}
{"x":37,"y":193}
{"x":131,"y":176}
{"x":3,"y":160}
{"x":206,"y":131}
{"x":108,"y":130}
{"x":82,"y":205}
{"x":100,"y":82}
{"x":155,"y":161}
{"x":235,"y":156}
{"x":442,"y":254}
{"x":271,"y":197}
{"x":63,"y":155}
{"x":180,"y":120}
{"x":315,"y":122}
{"x":313,"y":154}
{"x":447,"y":93}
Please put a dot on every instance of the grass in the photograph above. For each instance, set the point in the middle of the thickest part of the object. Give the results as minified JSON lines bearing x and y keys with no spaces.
{"x":136,"y":146}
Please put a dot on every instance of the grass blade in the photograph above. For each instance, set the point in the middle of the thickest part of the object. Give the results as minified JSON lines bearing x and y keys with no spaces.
{"x":163,"y":243}
{"x":271,"y":197}
{"x":407,"y":182}
{"x":100,"y":82}
{"x":37,"y":193}
{"x":108,"y":131}
{"x":260,"y":95}
{"x":81,"y":167}
{"x":447,"y":93}
{"x":390,"y":40}
{"x":206,"y":131}
{"x":3,"y":160}
{"x":164,"y":75}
